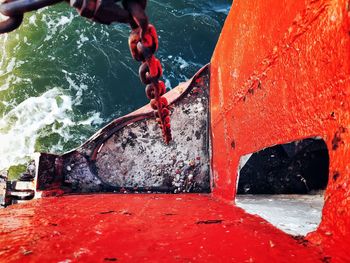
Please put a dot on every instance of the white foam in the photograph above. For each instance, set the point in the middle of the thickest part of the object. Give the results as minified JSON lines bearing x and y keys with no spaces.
{"x":20,"y":127}
{"x":78,"y":87}
{"x":82,"y":40}
{"x":6,"y":85}
{"x":56,"y":25}
{"x":3,"y":39}
{"x":64,"y":20}
{"x":11,"y":65}
{"x":94,"y":119}
{"x":182,"y":63}
{"x":32,"y":20}
{"x":167,"y":83}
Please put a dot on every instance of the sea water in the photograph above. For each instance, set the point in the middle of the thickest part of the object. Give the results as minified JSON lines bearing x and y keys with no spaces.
{"x":63,"y":77}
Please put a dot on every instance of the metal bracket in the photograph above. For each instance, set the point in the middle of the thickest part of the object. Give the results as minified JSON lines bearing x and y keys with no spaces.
{"x":12,"y":192}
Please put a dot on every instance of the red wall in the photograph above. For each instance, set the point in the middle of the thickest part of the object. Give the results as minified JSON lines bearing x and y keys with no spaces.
{"x":280,"y":72}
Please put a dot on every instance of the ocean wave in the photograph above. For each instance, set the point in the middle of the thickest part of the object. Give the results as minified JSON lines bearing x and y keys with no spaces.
{"x":23,"y":125}
{"x":19,"y":128}
{"x":91,"y":67}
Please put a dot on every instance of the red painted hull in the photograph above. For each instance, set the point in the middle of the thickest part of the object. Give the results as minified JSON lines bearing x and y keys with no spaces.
{"x":281,"y":72}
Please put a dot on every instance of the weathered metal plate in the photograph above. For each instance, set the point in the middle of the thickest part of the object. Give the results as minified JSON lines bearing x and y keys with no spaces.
{"x":129,"y":155}
{"x":3,"y":179}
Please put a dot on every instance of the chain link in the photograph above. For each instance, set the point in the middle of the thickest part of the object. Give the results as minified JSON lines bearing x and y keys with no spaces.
{"x":143,"y":43}
{"x":143,"y":40}
{"x":14,"y":10}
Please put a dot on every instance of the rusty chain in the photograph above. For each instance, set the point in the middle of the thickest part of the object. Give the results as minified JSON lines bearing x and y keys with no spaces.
{"x":143,"y":40}
{"x":143,"y":43}
{"x":14,"y":10}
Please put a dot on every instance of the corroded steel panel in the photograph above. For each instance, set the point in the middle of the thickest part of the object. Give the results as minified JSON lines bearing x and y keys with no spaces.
{"x":281,"y":72}
{"x":129,"y":155}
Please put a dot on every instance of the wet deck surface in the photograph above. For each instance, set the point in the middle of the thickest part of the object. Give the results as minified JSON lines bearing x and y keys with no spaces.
{"x":143,"y":228}
{"x":293,"y":214}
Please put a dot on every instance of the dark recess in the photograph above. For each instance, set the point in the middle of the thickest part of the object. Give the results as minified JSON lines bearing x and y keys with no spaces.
{"x":299,"y":167}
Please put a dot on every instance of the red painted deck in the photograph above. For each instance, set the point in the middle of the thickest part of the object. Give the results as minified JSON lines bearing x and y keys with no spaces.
{"x":143,"y":228}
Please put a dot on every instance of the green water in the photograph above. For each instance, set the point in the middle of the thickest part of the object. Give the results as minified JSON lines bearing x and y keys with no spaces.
{"x":63,"y":77}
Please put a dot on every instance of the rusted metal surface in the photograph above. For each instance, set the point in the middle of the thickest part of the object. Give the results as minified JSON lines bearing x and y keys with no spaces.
{"x":23,"y":189}
{"x":281,"y":72}
{"x":128,"y":155}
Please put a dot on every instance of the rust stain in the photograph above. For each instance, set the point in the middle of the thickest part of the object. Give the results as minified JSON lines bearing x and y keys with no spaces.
{"x":336,"y":141}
